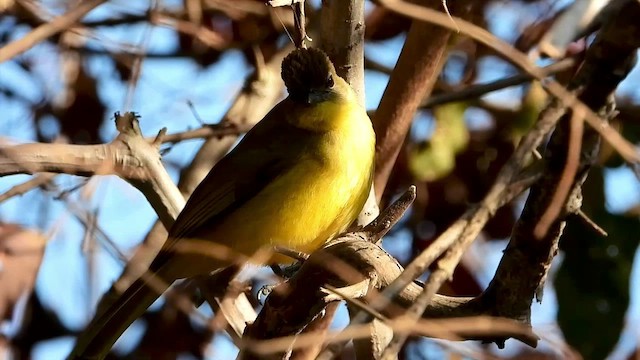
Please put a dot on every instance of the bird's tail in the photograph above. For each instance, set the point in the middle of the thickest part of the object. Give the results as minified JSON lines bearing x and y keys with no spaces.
{"x":115,"y":313}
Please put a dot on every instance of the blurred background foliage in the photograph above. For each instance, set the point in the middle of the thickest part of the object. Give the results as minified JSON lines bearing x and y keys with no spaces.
{"x":160,"y":59}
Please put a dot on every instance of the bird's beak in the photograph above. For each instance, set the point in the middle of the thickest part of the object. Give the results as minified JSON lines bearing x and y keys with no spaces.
{"x":316,"y":96}
{"x":311,"y":98}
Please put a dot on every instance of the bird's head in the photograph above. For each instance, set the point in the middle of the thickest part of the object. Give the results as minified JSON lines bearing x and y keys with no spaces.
{"x":310,"y":77}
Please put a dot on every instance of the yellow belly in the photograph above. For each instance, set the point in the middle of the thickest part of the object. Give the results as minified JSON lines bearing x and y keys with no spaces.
{"x":317,"y":199}
{"x":300,"y":210}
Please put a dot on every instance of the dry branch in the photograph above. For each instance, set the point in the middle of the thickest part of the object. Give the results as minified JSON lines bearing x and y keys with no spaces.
{"x":59,"y":24}
{"x":608,"y":61}
{"x":622,"y":146}
{"x":129,"y":156}
{"x":412,"y":80}
{"x":527,"y":259}
{"x":475,"y":91}
{"x":21,"y":189}
{"x":351,"y":259}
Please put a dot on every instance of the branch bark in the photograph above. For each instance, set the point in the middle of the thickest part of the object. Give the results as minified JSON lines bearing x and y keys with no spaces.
{"x":342,"y":30}
{"x":523,"y":269}
{"x":129,"y":156}
{"x":350,"y":260}
{"x":412,"y":80}
{"x":608,"y":62}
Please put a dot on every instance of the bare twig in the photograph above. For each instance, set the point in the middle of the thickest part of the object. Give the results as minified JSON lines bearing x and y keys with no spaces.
{"x":451,"y":329}
{"x":138,"y":59}
{"x":382,"y":224}
{"x":622,"y":146}
{"x":299,"y":22}
{"x":59,"y":24}
{"x":566,"y":180}
{"x":21,"y":189}
{"x":591,"y":224}
{"x":222,"y":129}
{"x":373,"y":65}
{"x":475,"y":91}
{"x":208,"y":37}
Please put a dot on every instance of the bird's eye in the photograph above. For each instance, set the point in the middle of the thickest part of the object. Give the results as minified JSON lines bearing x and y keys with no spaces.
{"x":330,"y":81}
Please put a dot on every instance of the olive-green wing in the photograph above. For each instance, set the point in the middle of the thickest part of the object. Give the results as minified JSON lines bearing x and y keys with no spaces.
{"x":270,"y":149}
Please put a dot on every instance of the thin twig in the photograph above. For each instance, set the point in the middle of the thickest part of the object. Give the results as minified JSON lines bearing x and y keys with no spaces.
{"x":592,"y":224}
{"x":354,"y":300}
{"x":59,"y":24}
{"x":379,"y":227}
{"x":476,"y":91}
{"x":299,"y":21}
{"x":576,"y":127}
{"x":21,"y":189}
{"x":620,"y":144}
{"x":136,"y":67}
{"x":206,"y":132}
{"x":205,"y":35}
{"x":452,"y":329}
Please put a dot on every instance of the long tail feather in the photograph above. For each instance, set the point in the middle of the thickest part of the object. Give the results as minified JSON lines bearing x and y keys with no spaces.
{"x":112,"y":319}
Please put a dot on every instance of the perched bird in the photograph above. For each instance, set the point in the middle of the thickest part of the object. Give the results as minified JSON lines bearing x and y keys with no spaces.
{"x":297,"y":179}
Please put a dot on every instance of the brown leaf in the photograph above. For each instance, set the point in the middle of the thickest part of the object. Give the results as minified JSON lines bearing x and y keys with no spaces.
{"x":21,"y":252}
{"x":533,"y":33}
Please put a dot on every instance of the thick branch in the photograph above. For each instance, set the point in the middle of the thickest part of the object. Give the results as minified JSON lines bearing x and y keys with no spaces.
{"x":412,"y":80}
{"x":607,"y":63}
{"x":524,"y":266}
{"x":343,"y":40}
{"x":129,"y":156}
{"x":350,"y":260}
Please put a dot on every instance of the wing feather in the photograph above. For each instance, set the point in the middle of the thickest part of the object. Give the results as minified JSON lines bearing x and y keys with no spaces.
{"x":253,"y":164}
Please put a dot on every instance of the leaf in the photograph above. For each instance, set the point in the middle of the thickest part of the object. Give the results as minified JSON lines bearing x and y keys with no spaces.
{"x":437,"y":158}
{"x":532,"y":104}
{"x":592,"y":284}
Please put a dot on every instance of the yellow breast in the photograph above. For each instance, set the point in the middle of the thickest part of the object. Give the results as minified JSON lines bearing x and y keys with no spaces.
{"x":318,"y":198}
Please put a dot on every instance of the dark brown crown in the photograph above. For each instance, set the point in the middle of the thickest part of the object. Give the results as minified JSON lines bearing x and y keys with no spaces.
{"x":305,"y":69}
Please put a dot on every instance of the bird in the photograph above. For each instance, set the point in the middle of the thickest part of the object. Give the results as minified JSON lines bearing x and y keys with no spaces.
{"x":297,"y":179}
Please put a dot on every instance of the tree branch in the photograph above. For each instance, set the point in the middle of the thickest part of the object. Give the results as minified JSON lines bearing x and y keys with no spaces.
{"x":412,"y":80}
{"x":129,"y":156}
{"x":606,"y":64}
{"x":59,"y":24}
{"x":609,"y":134}
{"x":475,"y":91}
{"x":351,"y":259}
